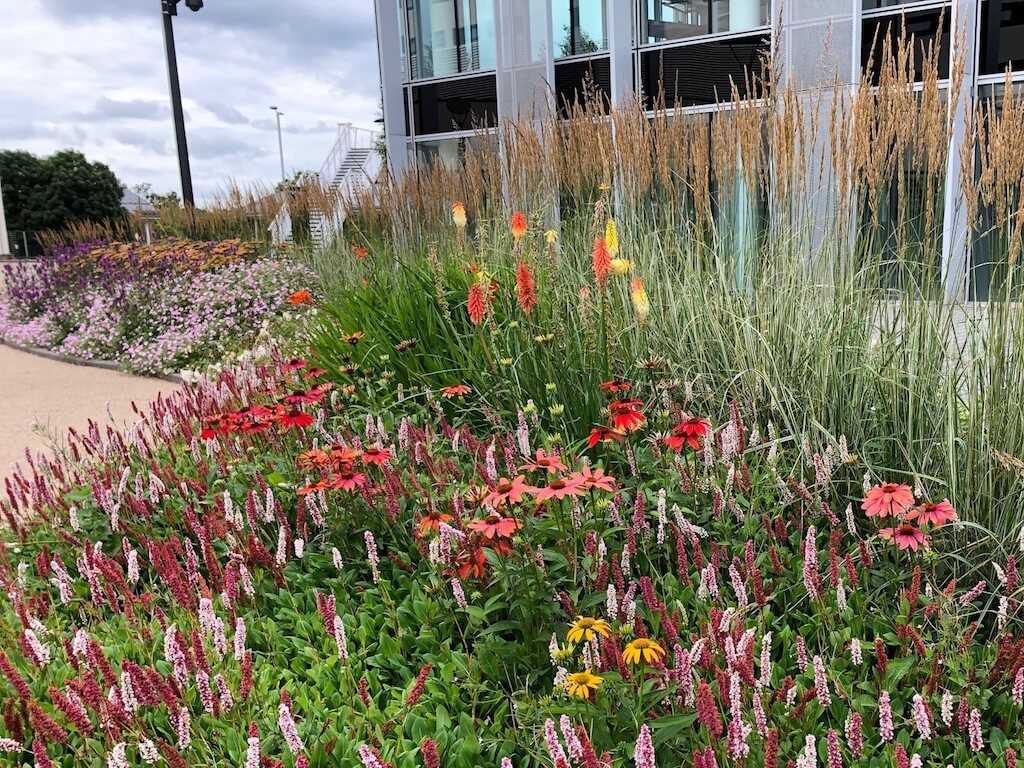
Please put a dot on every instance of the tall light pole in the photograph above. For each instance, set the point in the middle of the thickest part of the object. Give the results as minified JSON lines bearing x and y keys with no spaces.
{"x":169,"y":9}
{"x":280,"y":143}
{"x":5,"y":246}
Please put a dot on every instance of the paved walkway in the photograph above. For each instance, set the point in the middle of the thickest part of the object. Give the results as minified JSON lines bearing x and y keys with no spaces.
{"x":40,"y":399}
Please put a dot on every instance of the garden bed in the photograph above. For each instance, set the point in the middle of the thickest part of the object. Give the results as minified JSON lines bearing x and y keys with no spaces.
{"x":156,"y":310}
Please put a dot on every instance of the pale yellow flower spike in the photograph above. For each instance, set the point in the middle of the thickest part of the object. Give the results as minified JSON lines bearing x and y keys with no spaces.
{"x":641,"y":303}
{"x":611,"y":237}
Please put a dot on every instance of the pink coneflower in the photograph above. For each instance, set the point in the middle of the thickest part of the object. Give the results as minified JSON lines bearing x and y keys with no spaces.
{"x":643,"y":755}
{"x":933,"y":514}
{"x":888,"y":499}
{"x":905,"y":536}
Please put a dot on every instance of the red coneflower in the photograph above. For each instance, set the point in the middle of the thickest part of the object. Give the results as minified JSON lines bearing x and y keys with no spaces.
{"x":347,"y":480}
{"x":688,"y":432}
{"x":476,"y":303}
{"x":602,"y":261}
{"x":626,"y":415}
{"x":604,"y":435}
{"x":518,"y":225}
{"x":376,"y":455}
{"x":616,"y":386}
{"x":455,"y":390}
{"x":296,"y":418}
{"x":526,"y":288}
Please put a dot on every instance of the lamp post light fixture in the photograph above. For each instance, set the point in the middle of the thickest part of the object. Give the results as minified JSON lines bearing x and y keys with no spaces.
{"x":280,"y":143}
{"x":169,"y":9}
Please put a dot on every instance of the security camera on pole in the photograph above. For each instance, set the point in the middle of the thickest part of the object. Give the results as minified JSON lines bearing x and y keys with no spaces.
{"x":169,"y":9}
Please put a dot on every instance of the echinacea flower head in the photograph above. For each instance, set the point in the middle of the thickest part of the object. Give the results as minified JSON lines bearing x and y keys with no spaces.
{"x":582,"y":684}
{"x":376,"y":455}
{"x":353,"y":338}
{"x":933,"y":514}
{"x":594,"y":479}
{"x":544,"y":461}
{"x":611,"y":236}
{"x":905,"y":536}
{"x":459,"y":214}
{"x":690,"y":431}
{"x":616,"y":386}
{"x":642,"y":650}
{"x":301,"y":297}
{"x":518,"y":225}
{"x":508,"y":491}
{"x":604,"y":435}
{"x":455,"y":390}
{"x":626,"y":415}
{"x":888,"y":499}
{"x":432,"y":521}
{"x":586,"y":628}
{"x":496,"y":526}
{"x":559,"y":488}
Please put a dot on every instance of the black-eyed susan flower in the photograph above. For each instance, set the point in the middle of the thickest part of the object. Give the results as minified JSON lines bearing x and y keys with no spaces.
{"x":586,"y":628}
{"x":582,"y":684}
{"x":642,"y":650}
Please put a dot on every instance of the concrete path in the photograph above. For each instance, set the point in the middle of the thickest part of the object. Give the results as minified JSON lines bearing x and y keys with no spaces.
{"x":40,"y":399}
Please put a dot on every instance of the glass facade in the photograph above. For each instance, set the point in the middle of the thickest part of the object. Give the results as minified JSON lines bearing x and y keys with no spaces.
{"x":578,"y":81}
{"x":447,"y":106}
{"x":664,"y":20}
{"x":578,"y":27}
{"x":448,"y":37}
{"x":705,"y":73}
{"x":927,"y":31}
{"x":1001,"y":36}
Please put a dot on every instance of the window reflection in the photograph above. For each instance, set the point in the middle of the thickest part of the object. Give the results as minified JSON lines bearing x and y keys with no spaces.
{"x":578,"y":27}
{"x":447,"y":37}
{"x":679,"y":19}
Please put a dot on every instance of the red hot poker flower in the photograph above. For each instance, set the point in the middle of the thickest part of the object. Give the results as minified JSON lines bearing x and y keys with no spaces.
{"x":602,"y":261}
{"x":476,"y":303}
{"x":526,"y":288}
{"x":518,"y":225}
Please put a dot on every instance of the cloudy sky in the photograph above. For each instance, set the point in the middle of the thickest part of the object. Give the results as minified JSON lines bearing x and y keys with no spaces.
{"x":91,"y":74}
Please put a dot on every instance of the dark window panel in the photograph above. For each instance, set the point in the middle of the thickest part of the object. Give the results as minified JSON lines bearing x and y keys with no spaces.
{"x":926,"y":29}
{"x":1002,"y":36}
{"x":704,"y":73}
{"x":571,"y":82}
{"x":455,"y":105}
{"x":405,"y":108}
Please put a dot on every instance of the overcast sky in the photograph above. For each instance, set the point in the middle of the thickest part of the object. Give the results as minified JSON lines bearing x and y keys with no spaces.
{"x":91,"y":74}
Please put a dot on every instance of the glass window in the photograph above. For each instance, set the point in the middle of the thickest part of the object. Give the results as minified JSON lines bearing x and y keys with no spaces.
{"x":576,"y":81}
{"x":690,"y":75}
{"x":925,"y":29}
{"x":871,"y":5}
{"x":679,"y":19}
{"x":447,"y":37}
{"x":578,"y":27}
{"x":455,"y":105}
{"x":1002,"y":36}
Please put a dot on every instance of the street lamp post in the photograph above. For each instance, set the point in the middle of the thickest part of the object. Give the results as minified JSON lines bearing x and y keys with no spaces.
{"x":169,"y":9}
{"x":280,"y":142}
{"x":5,"y":246}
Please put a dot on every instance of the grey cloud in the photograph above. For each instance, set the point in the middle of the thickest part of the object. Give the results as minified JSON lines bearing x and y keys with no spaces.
{"x":209,"y":144}
{"x":143,"y":140}
{"x":135,"y":109}
{"x":270,"y":124}
{"x":225,"y":113}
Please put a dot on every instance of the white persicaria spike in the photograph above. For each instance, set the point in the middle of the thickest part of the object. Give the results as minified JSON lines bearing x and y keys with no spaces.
{"x":553,"y":648}
{"x":851,"y":524}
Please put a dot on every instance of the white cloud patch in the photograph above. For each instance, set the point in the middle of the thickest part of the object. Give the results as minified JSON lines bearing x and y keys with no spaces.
{"x":91,"y":75}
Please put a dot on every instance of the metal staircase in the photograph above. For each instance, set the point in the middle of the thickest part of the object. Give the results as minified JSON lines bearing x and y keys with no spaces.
{"x":352,"y":167}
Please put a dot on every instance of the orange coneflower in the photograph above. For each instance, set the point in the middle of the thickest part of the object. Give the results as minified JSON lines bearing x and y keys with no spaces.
{"x":358,"y":251}
{"x":602,"y":261}
{"x":518,"y":225}
{"x":526,"y":288}
{"x":301,"y":297}
{"x":476,"y":303}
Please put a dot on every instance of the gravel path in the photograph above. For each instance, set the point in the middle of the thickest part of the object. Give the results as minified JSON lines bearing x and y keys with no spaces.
{"x":40,"y":399}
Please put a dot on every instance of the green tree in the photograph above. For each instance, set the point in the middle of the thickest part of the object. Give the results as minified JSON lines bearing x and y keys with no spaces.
{"x":53,"y":192}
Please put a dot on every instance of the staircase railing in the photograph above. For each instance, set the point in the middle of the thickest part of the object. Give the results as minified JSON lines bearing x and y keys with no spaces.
{"x":327,"y":225}
{"x":349,"y":137}
{"x":281,"y":227}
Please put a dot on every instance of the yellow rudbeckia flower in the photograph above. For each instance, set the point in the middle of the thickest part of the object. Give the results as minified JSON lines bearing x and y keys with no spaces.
{"x":586,"y":628}
{"x":642,"y":649}
{"x":582,"y":684}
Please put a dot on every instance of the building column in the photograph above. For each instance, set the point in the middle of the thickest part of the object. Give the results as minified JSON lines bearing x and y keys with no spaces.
{"x":389,"y":38}
{"x":956,"y":230}
{"x":621,"y":17}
